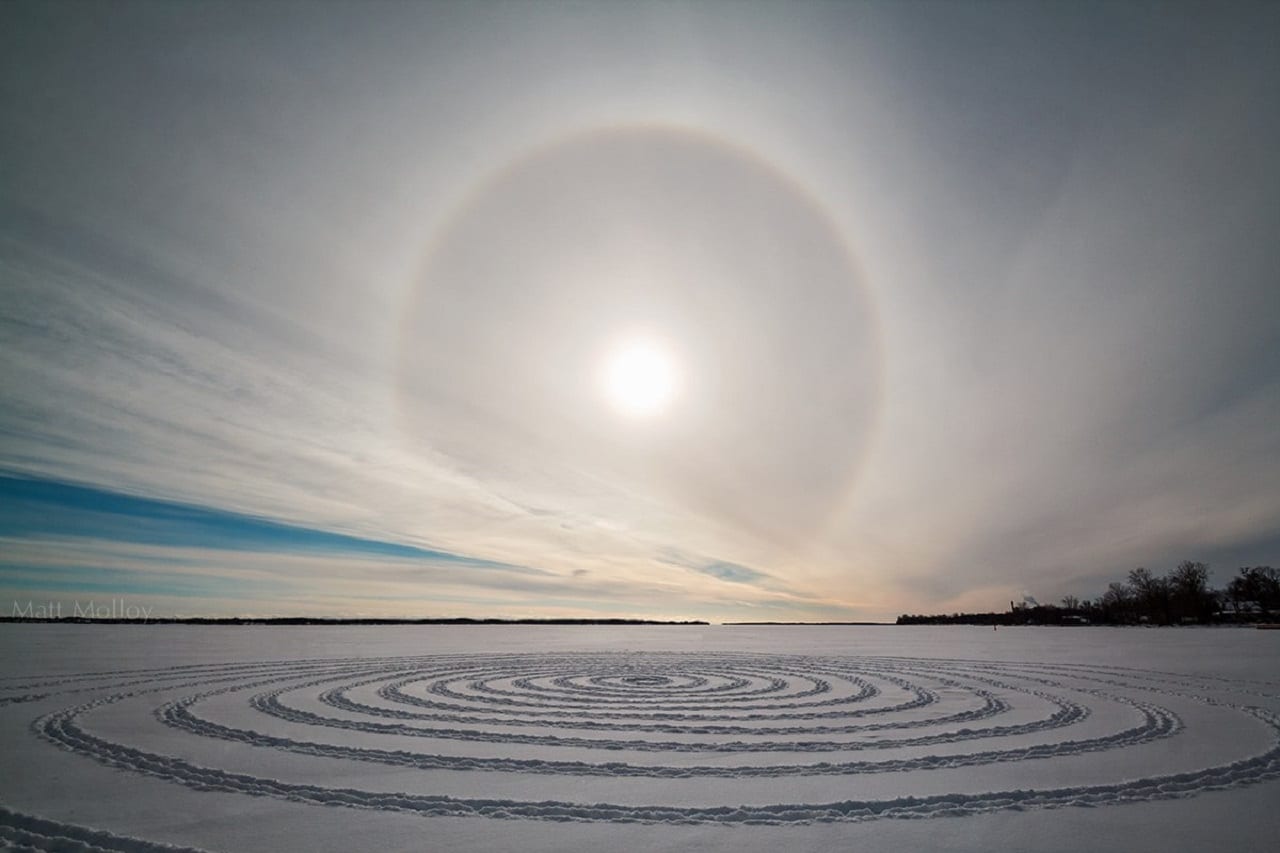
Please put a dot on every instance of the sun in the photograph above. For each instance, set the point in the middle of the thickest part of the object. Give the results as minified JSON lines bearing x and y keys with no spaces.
{"x":640,"y":377}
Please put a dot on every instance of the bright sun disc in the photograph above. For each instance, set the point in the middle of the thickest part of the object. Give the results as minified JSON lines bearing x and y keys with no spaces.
{"x":640,"y":378}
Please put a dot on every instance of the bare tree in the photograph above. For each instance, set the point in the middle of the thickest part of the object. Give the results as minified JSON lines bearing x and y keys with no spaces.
{"x":1189,"y":589}
{"x":1258,"y":586}
{"x":1151,"y":594}
{"x":1117,"y":603}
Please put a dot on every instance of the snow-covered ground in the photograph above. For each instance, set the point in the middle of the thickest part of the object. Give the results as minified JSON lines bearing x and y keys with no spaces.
{"x":639,"y":738}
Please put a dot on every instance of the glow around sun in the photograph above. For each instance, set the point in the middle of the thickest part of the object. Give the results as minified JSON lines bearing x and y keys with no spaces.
{"x":640,"y":377}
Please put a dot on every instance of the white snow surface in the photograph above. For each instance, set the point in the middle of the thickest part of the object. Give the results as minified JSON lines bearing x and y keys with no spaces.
{"x":548,"y":738}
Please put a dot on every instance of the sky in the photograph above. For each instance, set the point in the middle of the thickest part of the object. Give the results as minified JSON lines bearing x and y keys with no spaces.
{"x":310,"y":309}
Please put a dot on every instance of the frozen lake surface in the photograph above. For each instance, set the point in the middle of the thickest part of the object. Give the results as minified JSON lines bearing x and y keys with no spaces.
{"x":544,"y":738}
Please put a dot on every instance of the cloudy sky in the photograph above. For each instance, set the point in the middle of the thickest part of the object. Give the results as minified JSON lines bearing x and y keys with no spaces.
{"x":707,"y":310}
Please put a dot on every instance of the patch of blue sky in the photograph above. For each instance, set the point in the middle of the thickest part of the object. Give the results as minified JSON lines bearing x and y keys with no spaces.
{"x":732,"y":572}
{"x":721,"y":569}
{"x":32,"y":508}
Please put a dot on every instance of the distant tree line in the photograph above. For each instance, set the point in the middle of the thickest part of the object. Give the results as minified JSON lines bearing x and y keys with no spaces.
{"x":1181,"y":597}
{"x":309,"y":620}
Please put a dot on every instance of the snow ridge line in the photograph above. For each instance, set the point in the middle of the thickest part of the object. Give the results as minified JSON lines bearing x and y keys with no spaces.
{"x":337,"y":698}
{"x":573,"y":702}
{"x":1067,"y":713}
{"x":730,"y":706}
{"x":161,"y":675}
{"x":28,"y":832}
{"x":60,"y":728}
{"x":189,"y":668}
{"x":1157,"y":723}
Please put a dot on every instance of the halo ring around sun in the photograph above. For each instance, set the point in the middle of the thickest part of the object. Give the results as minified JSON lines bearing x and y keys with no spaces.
{"x":444,"y":313}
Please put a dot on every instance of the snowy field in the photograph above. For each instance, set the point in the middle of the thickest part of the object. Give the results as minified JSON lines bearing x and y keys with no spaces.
{"x":536,"y":738}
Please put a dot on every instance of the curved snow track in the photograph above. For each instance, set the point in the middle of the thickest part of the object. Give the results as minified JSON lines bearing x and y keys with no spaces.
{"x":871,"y":738}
